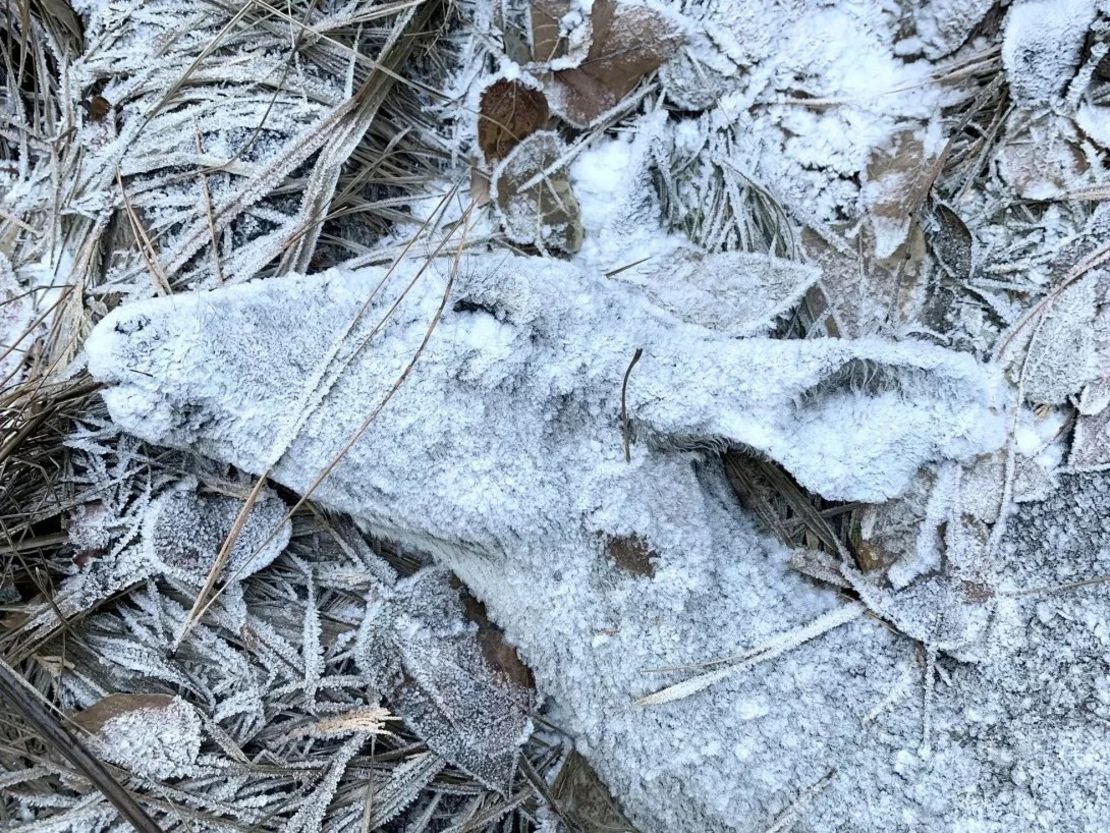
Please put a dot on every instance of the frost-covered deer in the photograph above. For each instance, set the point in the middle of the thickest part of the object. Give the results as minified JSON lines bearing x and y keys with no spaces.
{"x":493,"y":416}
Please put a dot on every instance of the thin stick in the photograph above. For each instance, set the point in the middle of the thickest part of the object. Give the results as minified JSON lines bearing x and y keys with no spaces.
{"x":373,"y":415}
{"x":771,"y":649}
{"x":146,"y":246}
{"x":206,"y":194}
{"x":13,"y":690}
{"x":220,"y":561}
{"x":624,"y":406}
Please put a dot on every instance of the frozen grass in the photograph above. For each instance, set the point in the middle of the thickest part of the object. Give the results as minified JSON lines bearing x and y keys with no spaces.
{"x":257,"y":139}
{"x":77,"y":241}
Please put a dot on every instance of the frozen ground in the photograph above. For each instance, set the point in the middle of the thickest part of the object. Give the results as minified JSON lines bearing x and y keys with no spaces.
{"x":718,"y":388}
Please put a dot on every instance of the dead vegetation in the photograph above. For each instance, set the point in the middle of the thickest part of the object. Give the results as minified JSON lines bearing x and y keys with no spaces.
{"x":224,"y":142}
{"x":253,"y":140}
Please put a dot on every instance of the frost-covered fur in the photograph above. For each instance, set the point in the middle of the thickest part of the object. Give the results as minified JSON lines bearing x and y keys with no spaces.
{"x":502,"y":454}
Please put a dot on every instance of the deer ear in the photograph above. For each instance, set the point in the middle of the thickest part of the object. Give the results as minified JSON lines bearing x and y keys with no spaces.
{"x":850,"y":419}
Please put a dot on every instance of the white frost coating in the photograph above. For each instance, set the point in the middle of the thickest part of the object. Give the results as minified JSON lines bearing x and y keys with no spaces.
{"x":1041,"y":47}
{"x":502,"y":455}
{"x":944,"y":25}
{"x":229,"y":373}
{"x":16,"y":315}
{"x":734,"y":293}
{"x":183,"y":532}
{"x":158,"y":742}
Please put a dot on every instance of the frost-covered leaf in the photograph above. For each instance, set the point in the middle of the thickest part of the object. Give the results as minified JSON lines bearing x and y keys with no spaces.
{"x":156,"y":735}
{"x":424,"y":658}
{"x":1046,"y":162}
{"x":1095,"y":397}
{"x":509,"y":111}
{"x":1090,"y":445}
{"x":534,"y":198}
{"x":1033,"y":481}
{"x":1041,"y":47}
{"x":898,"y":178}
{"x":1062,"y":355}
{"x":560,"y":32}
{"x":629,"y":39}
{"x":736,"y":293}
{"x":944,"y":25}
{"x":951,"y":242}
{"x":546,"y":18}
{"x":184,"y":530}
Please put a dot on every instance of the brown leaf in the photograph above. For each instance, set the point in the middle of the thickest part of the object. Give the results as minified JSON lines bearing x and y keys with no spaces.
{"x":629,"y":41}
{"x":97,"y":107}
{"x":547,"y":41}
{"x":897,"y":180}
{"x":546,"y":212}
{"x":509,"y":111}
{"x":95,"y":716}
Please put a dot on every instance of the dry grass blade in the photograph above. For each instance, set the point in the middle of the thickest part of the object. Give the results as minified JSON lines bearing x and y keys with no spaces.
{"x":220,"y":562}
{"x":15,"y":692}
{"x":146,"y":246}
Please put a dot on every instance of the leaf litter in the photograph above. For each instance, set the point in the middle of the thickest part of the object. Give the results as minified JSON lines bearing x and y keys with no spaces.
{"x":860,"y":249}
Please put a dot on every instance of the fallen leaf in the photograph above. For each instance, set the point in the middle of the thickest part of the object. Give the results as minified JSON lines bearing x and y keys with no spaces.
{"x":1032,"y":481}
{"x":951,"y":241}
{"x":544,"y":213}
{"x":424,"y":659}
{"x":1090,"y":445}
{"x":108,"y":708}
{"x":897,"y":180}
{"x":156,"y":735}
{"x":183,"y":531}
{"x":509,"y":111}
{"x":547,"y":39}
{"x":97,"y":107}
{"x":1044,"y":163}
{"x":1062,"y":356}
{"x":738,"y":293}
{"x":629,"y":41}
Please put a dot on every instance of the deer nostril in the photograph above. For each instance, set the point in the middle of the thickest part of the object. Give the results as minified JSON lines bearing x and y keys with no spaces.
{"x":132,"y":326}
